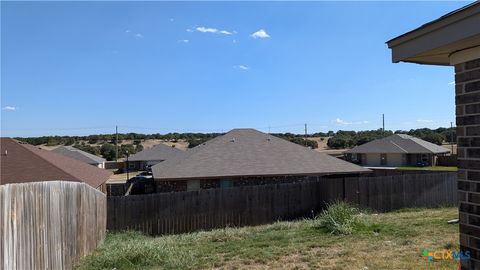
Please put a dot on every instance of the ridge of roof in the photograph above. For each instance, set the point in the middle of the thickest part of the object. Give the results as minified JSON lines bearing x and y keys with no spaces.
{"x":399,"y":146}
{"x":91,"y":157}
{"x":249,"y":152}
{"x":157,"y":152}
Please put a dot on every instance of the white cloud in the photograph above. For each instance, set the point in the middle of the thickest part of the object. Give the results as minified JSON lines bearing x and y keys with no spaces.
{"x":184,"y":40}
{"x":452,"y":83}
{"x":260,"y":34}
{"x":171,"y":19}
{"x":242,"y":67}
{"x":206,"y":29}
{"x":189,"y":30}
{"x":211,"y":30}
{"x":127,"y":31}
{"x":9,"y":108}
{"x":341,"y":122}
{"x":424,"y":121}
{"x":138,"y":35}
{"x":234,"y":41}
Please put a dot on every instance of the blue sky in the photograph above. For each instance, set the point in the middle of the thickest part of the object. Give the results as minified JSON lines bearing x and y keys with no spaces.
{"x":83,"y":67}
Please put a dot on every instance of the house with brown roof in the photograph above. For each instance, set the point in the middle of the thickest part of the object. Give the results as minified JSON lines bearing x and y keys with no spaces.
{"x":247,"y":157}
{"x":454,"y":40}
{"x":395,"y":151}
{"x":22,"y":162}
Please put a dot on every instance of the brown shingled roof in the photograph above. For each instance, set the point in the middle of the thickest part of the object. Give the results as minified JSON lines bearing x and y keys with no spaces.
{"x":248,"y":152}
{"x":22,"y":162}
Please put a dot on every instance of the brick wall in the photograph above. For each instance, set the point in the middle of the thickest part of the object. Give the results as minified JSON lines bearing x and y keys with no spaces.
{"x":467,"y":100}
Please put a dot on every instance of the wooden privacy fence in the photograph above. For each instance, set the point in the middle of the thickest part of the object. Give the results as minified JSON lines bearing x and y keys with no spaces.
{"x":49,"y":225}
{"x":387,"y":193}
{"x":177,"y":212}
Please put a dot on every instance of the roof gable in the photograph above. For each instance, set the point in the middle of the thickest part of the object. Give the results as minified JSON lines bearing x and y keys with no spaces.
{"x":248,"y":152}
{"x":157,"y":152}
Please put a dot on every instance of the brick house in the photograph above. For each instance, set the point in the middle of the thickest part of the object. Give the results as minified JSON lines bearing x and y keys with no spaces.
{"x":395,"y":151}
{"x":247,"y":157}
{"x":454,"y":40}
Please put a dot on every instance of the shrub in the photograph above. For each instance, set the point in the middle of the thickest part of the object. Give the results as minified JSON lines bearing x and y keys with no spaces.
{"x":339,"y":218}
{"x":69,"y":141}
{"x":195,"y":142}
{"x":108,"y":151}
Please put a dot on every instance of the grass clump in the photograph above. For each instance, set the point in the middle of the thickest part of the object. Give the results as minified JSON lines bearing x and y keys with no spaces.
{"x":134,"y":250}
{"x":339,"y":218}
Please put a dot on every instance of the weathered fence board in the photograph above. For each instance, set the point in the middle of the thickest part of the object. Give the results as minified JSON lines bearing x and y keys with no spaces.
{"x":177,"y":212}
{"x":49,"y":225}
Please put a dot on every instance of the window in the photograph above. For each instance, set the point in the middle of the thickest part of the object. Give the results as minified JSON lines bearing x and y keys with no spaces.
{"x":383,"y":159}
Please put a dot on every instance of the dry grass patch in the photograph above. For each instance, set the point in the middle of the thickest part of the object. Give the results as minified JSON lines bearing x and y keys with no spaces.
{"x":383,"y":241}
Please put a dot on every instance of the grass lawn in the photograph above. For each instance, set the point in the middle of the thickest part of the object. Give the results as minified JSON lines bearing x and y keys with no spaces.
{"x":431,"y":168}
{"x":385,"y":241}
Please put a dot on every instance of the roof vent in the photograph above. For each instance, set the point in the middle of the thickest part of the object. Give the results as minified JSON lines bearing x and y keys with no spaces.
{"x":232,"y":140}
{"x":6,"y":152}
{"x":268,"y":139}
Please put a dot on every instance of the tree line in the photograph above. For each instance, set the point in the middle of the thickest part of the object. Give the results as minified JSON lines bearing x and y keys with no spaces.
{"x":109,"y":151}
{"x":104,"y":144}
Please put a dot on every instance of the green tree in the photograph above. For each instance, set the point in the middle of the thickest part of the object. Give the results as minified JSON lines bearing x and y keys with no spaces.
{"x":126,"y":147}
{"x":108,"y":151}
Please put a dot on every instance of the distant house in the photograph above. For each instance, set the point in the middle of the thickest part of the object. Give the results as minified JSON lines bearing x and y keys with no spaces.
{"x":72,"y":152}
{"x":151,"y":156}
{"x":22,"y":162}
{"x":246,"y":157}
{"x":396,"y":151}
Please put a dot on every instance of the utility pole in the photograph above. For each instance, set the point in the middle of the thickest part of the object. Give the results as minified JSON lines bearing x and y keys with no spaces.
{"x":383,"y":124}
{"x":451,"y":135}
{"x":116,"y":143}
{"x":305,"y":134}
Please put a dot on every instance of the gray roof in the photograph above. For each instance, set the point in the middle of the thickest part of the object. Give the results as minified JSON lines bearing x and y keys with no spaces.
{"x":78,"y":154}
{"x":157,"y":152}
{"x":399,"y":143}
{"x":248,"y":152}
